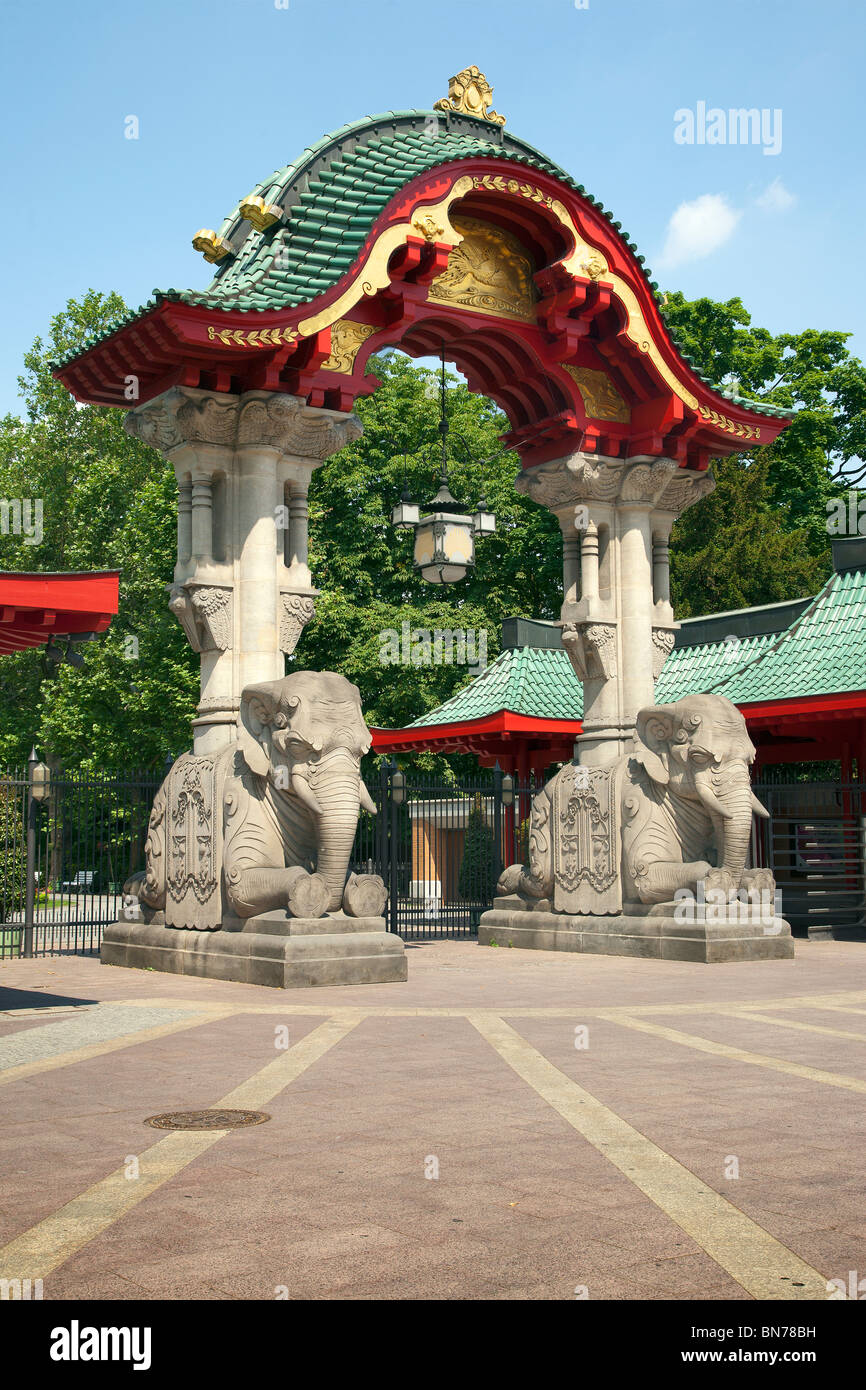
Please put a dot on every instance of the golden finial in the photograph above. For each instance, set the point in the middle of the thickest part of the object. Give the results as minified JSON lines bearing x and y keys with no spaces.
{"x":469,"y":93}
{"x":212,"y":247}
{"x":258,"y":213}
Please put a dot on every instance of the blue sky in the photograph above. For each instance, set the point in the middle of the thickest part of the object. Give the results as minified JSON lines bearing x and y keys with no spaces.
{"x":225,"y":91}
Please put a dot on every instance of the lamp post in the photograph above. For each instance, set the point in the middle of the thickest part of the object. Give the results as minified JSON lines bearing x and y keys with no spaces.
{"x":38,"y":786}
{"x":444,"y":549}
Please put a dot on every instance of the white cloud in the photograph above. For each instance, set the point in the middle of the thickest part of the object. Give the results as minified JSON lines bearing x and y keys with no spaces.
{"x":776,"y":198}
{"x":697,"y":229}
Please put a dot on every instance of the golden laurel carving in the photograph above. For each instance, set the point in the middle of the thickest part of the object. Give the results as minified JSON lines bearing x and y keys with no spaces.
{"x":250,"y":337}
{"x":731,"y":426}
{"x":601,"y":399}
{"x":469,"y":93}
{"x":346,"y":340}
{"x":489,"y":272}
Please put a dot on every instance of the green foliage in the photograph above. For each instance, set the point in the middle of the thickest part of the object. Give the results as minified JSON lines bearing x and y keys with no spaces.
{"x":812,"y":373}
{"x":13,"y":862}
{"x":109,"y":503}
{"x":477,"y":879}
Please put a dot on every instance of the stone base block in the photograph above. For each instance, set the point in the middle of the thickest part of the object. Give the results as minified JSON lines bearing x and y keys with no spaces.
{"x":272,"y":949}
{"x":648,"y":933}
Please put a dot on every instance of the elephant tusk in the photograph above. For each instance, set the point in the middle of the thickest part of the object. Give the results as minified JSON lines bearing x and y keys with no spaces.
{"x":709,"y":799}
{"x":304,"y":793}
{"x":758,"y":809}
{"x":366,"y":799}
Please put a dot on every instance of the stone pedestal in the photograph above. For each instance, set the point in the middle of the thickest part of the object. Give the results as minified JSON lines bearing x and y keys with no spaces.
{"x":651,"y":933}
{"x":242,"y":587}
{"x":270,"y":949}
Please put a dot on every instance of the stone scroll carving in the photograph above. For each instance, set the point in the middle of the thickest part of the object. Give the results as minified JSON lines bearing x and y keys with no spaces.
{"x":269,"y":822}
{"x":204,"y":611}
{"x":591,"y":648}
{"x":296,"y":610}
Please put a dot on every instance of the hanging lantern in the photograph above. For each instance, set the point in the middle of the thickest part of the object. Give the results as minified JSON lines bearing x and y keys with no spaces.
{"x":444,"y":541}
{"x":445,"y":537}
{"x":483,"y":519}
{"x":406,"y":514}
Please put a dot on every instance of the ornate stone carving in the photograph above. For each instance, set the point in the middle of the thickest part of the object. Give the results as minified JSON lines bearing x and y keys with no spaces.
{"x":674,"y":813}
{"x":490,"y":272}
{"x":470,"y":93}
{"x":347,"y":338}
{"x":661,"y":484}
{"x":297,"y":611}
{"x":586,"y":841}
{"x":184,"y":415}
{"x":645,"y":482}
{"x":663,"y":645}
{"x":191,"y":879}
{"x":601,"y":399}
{"x":592,"y":649}
{"x":204,"y":611}
{"x":685,"y":488}
{"x":270,"y":821}
{"x":288,"y":424}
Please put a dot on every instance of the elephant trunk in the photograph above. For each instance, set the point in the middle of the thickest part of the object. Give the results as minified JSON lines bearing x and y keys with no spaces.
{"x":727,"y":795}
{"x":336,"y":786}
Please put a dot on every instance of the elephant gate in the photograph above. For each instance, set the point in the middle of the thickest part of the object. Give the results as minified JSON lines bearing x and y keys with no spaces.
{"x":434,"y":230}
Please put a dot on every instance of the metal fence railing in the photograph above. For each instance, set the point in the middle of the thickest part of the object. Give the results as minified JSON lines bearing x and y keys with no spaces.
{"x":439,"y":848}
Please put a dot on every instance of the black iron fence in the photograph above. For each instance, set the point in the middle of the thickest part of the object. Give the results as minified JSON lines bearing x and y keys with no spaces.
{"x":815,"y":843}
{"x":439,"y":848}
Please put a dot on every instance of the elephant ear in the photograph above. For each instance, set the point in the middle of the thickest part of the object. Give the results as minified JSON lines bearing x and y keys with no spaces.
{"x":654,"y":730}
{"x":259,"y":706}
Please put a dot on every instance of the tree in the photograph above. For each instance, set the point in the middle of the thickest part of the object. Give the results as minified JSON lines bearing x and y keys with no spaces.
{"x":109,"y":502}
{"x":477,"y":879}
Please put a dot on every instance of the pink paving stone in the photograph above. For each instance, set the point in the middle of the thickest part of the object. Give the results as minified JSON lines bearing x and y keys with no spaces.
{"x":331,"y":1192}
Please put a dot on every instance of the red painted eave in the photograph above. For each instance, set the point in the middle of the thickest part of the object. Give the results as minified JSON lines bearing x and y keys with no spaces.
{"x":504,"y":724}
{"x":33,"y":607}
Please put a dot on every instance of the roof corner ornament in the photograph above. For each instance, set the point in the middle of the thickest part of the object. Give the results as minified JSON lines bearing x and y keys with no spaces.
{"x":212,"y":247}
{"x":258,"y":213}
{"x":469,"y":93}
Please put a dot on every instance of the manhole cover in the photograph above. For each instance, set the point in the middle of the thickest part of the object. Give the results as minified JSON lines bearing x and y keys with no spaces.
{"x":207,"y":1119}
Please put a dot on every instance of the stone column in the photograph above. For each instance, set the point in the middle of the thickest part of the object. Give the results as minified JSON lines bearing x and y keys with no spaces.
{"x":241,"y":607}
{"x":619,"y":630}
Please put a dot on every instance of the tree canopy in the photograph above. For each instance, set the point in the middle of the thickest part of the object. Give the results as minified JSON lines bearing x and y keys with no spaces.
{"x":110,"y":502}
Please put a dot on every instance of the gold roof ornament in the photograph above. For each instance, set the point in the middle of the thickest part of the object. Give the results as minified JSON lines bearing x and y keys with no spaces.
{"x":212,"y":247}
{"x":258,"y":213}
{"x":469,"y":93}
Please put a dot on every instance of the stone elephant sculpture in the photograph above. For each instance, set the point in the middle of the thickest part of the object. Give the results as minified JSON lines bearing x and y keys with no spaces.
{"x":269,"y":822}
{"x":675,"y":812}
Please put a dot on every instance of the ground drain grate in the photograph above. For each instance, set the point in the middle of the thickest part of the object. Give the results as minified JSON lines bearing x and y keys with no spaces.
{"x":207,"y":1119}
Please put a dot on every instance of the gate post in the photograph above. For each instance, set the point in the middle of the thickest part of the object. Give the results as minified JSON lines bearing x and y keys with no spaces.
{"x":30,"y":870}
{"x":497,"y":823}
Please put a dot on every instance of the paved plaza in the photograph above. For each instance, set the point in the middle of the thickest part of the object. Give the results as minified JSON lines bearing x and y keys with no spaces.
{"x":505,"y":1125}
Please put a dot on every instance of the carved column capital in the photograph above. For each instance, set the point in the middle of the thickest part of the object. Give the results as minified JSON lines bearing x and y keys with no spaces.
{"x":187,"y":416}
{"x":204,"y":611}
{"x":286,"y":423}
{"x":590,"y":478}
{"x":184,"y":416}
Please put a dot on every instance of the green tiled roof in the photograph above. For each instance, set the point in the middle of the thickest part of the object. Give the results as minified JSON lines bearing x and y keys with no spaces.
{"x":822,"y":653}
{"x":693,"y":670}
{"x":331,"y":196}
{"x":539,"y":683}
